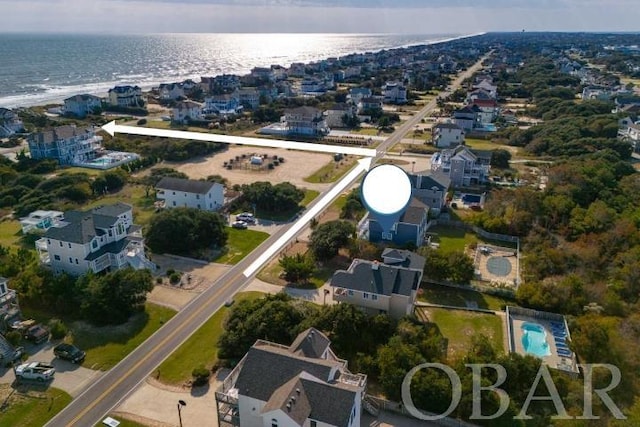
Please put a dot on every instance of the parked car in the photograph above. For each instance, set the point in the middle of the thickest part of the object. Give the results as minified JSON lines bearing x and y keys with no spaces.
{"x":239,"y":224}
{"x":246,"y":217}
{"x":32,"y":331}
{"x":69,"y":352}
{"x":38,"y":371}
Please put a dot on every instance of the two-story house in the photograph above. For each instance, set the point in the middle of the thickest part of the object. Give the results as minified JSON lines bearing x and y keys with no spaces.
{"x":357,"y":93}
{"x":305,"y":121}
{"x":186,"y":111}
{"x":67,"y":144}
{"x":409,"y":229}
{"x":226,"y":104}
{"x":394,"y":93}
{"x":82,"y":105}
{"x":466,"y":117}
{"x":126,"y":96}
{"x":10,"y":123}
{"x":100,"y":239}
{"x":465,"y":167}
{"x":431,"y":188}
{"x":446,"y":135}
{"x":369,"y":105}
{"x":304,"y":384}
{"x":171,"y":91}
{"x":178,"y":192}
{"x":9,"y":307}
{"x":249,"y":98}
{"x":389,"y":287}
{"x":335,"y":114}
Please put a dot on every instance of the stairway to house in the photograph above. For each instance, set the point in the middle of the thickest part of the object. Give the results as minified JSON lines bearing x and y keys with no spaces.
{"x":370,"y":406}
{"x":7,"y":352}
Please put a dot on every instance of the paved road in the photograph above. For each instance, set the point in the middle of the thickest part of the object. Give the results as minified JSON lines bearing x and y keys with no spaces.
{"x":115,"y":385}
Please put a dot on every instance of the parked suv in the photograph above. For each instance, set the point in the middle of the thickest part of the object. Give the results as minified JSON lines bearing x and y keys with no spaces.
{"x":246,"y":217}
{"x":36,"y":334}
{"x":69,"y":352}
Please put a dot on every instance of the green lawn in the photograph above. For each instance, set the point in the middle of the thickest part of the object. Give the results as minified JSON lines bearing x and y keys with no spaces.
{"x":458,"y":326}
{"x":332,"y":171}
{"x":446,"y":295}
{"x":10,"y":233}
{"x":452,"y":239}
{"x":108,"y":345}
{"x":309,"y":196}
{"x":239,"y":244}
{"x":143,"y":208}
{"x":31,"y":408}
{"x":200,"y":348}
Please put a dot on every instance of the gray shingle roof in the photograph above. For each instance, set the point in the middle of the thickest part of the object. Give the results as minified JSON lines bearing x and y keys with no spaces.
{"x":381,"y":279}
{"x":115,"y":209}
{"x":406,"y":259}
{"x":292,"y":399}
{"x":329,"y":404}
{"x":447,"y":126}
{"x":82,"y":227}
{"x":186,"y":185}
{"x":310,"y":343}
{"x":266,"y":369}
{"x":414,"y":213}
{"x":437,"y":179}
{"x":112,"y":248}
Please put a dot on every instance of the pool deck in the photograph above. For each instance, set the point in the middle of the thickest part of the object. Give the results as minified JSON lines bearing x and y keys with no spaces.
{"x":553,"y":360}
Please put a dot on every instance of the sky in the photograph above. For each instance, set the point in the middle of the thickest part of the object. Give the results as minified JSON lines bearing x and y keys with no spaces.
{"x":317,"y":16}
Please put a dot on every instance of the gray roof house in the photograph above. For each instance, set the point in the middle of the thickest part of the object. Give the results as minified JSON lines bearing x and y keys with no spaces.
{"x":389,"y":287}
{"x":304,"y":384}
{"x":101,"y":239}
{"x":430,"y":188}
{"x":410,"y":228}
{"x":9,"y":307}
{"x":178,"y":192}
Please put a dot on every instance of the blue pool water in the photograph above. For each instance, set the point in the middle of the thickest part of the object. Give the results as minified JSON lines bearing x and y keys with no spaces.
{"x":534,"y":339}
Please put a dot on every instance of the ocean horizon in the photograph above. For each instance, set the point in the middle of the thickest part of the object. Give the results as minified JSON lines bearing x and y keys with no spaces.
{"x":47,"y":68}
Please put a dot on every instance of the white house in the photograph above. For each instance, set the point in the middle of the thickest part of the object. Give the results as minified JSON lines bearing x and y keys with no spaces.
{"x":335,"y":114}
{"x":488,"y":86}
{"x":463,"y":166}
{"x":9,"y":309}
{"x":445,"y":135}
{"x":126,"y":96}
{"x":305,"y":121}
{"x":389,"y":287}
{"x":10,"y":123}
{"x":81,"y":105}
{"x":372,"y":103}
{"x":304,"y":384}
{"x":356,"y":94}
{"x":178,"y":192}
{"x":394,"y":93}
{"x":171,"y":91}
{"x":185,"y":111}
{"x":312,"y":85}
{"x":226,"y":104}
{"x":249,"y":98}
{"x":101,"y":239}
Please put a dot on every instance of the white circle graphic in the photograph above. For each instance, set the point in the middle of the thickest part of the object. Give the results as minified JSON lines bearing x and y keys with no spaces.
{"x":386,"y":189}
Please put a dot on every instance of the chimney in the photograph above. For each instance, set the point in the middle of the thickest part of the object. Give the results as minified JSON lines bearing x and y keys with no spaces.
{"x":375,"y":265}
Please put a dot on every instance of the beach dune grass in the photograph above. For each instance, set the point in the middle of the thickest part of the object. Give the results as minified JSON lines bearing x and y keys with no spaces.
{"x":200,"y":349}
{"x":332,"y":171}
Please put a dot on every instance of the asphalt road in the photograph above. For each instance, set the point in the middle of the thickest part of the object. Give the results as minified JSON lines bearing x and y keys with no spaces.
{"x":91,"y":406}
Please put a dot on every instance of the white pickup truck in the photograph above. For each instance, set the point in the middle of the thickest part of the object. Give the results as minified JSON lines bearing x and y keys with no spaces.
{"x":38,"y":371}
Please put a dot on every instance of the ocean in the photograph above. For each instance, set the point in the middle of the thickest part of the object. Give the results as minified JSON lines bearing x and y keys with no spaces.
{"x":38,"y":69}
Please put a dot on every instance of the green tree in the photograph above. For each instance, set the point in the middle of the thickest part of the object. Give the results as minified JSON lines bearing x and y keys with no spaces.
{"x":184,"y":230}
{"x":500,"y":159}
{"x":114,"y":297}
{"x":298,"y":268}
{"x":329,"y":237}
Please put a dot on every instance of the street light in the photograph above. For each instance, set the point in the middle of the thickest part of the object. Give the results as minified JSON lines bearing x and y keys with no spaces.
{"x":181,"y":403}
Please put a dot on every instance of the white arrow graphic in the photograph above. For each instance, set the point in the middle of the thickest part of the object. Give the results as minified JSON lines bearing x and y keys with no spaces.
{"x":363,"y":166}
{"x":112,"y":128}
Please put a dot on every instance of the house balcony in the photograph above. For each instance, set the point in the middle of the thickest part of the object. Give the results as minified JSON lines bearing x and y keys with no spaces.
{"x":8,"y":300}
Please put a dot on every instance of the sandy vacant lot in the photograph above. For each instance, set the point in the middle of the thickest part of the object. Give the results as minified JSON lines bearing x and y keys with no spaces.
{"x":297,"y":166}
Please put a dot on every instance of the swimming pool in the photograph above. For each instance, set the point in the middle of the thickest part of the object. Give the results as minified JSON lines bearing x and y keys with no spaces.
{"x":534,"y":339}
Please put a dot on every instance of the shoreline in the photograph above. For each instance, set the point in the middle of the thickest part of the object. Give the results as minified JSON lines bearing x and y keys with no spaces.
{"x":58,"y":94}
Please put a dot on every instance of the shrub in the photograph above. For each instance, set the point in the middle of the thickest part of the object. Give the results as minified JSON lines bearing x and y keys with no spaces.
{"x":13,"y":337}
{"x":200,"y":375}
{"x":58,"y":329}
{"x":174,"y":278}
{"x":159,"y":280}
{"x":170,"y":271}
{"x":142,"y":122}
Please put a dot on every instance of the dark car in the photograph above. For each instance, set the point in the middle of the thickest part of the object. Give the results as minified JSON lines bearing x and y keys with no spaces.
{"x":69,"y":352}
{"x":36,"y":334}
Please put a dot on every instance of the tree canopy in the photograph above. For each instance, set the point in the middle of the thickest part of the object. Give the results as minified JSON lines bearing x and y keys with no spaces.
{"x":328,"y":238}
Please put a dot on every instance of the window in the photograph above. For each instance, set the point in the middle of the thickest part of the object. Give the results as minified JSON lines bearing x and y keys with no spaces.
{"x":60,"y":244}
{"x":199,"y":206}
{"x":197,"y":196}
{"x":365,"y":295}
{"x":174,"y":203}
{"x":3,"y":288}
{"x":69,"y":245}
{"x":174,"y":193}
{"x":312,"y":423}
{"x":70,"y":260}
{"x":48,"y":241}
{"x":76,"y":260}
{"x":274,"y":422}
{"x":374,"y":297}
{"x":350,"y":293}
{"x":56,"y":257}
{"x":94,"y":244}
{"x":387,"y":236}
{"x":110,"y":232}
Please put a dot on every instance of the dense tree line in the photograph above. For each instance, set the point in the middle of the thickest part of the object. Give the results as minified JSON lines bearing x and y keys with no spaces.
{"x":268,"y":198}
{"x":185,"y":231}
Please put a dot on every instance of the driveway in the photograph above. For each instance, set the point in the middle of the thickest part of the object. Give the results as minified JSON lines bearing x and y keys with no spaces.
{"x":69,"y":377}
